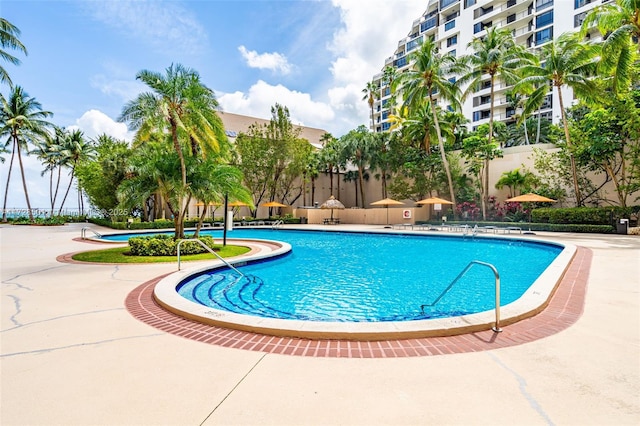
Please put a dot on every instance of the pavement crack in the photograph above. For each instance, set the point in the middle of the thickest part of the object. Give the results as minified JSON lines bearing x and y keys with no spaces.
{"x":522,"y":384}
{"x":20,"y":325}
{"x":233,"y":389}
{"x":99,"y":342}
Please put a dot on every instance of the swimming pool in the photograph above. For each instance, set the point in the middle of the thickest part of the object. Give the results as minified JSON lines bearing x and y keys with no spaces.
{"x":345,"y":280}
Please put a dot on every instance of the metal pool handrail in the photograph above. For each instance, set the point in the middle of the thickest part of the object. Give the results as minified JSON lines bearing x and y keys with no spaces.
{"x":277,"y":223}
{"x":496,"y":328}
{"x":83,"y":233}
{"x":206,"y":247}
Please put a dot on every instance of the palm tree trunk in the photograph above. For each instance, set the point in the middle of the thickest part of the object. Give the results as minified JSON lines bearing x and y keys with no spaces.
{"x":443,"y":155}
{"x":574,"y":171}
{"x":6,"y":189}
{"x":67,"y":191}
{"x":24,"y":183}
{"x":485,"y":183}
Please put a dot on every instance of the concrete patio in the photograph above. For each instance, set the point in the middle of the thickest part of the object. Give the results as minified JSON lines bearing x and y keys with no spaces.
{"x":71,"y":354}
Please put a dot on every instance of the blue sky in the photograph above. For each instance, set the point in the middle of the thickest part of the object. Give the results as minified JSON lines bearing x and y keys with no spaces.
{"x":314,"y":57}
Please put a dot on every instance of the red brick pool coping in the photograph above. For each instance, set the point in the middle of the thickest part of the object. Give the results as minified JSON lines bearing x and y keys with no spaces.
{"x":564,"y":309}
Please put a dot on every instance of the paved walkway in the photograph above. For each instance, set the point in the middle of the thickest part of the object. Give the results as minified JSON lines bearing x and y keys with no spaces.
{"x":71,"y":353}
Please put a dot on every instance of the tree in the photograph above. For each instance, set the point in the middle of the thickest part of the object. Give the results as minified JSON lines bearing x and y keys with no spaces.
{"x":498,"y":55}
{"x":566,"y":61}
{"x":273,"y":158}
{"x":479,"y":152}
{"x":181,"y":105}
{"x":357,"y":148}
{"x":9,"y":34}
{"x":22,"y":121}
{"x":49,"y":151}
{"x":619,"y":23}
{"x":608,"y":142}
{"x":514,"y":180}
{"x":370,"y":95}
{"x":75,"y":150}
{"x":429,"y":75}
{"x":98,"y":178}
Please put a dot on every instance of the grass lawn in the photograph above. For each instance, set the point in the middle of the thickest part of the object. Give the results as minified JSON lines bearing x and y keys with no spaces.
{"x":120,"y":255}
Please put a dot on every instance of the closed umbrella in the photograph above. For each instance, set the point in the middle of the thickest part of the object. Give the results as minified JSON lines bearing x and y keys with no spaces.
{"x":331,"y":204}
{"x":386,"y":203}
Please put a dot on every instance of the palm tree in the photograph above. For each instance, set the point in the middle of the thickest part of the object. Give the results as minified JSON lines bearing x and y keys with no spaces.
{"x":370,"y":94}
{"x":76,"y":149}
{"x":357,"y":148}
{"x":51,"y":154}
{"x":183,"y":106}
{"x":430,"y":75}
{"x":499,"y":56}
{"x":9,"y":34}
{"x":619,"y":23}
{"x":22,"y":121}
{"x":566,"y":61}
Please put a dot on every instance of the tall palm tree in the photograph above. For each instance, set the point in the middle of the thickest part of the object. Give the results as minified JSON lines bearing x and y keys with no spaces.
{"x":429,"y":75}
{"x":9,"y":34}
{"x":357,"y":148}
{"x":76,"y":149}
{"x":567,"y":61}
{"x":499,"y":56}
{"x":619,"y":23}
{"x":370,"y":95}
{"x":183,"y":106}
{"x":22,"y":121}
{"x":50,"y":152}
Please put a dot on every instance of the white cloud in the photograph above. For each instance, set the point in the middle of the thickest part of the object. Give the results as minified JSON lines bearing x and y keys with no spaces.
{"x":262,"y":96}
{"x":94,"y":123}
{"x":271,"y":61}
{"x":125,"y":90}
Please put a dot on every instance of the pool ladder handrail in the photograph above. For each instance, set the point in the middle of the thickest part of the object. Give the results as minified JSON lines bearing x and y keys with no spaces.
{"x":496,"y":328}
{"x":277,"y":223}
{"x":210,"y":250}
{"x":83,"y":233}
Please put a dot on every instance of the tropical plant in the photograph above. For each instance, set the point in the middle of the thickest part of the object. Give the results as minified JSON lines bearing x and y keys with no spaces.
{"x":499,"y":56}
{"x":357,"y":148}
{"x":515,"y":181}
{"x":75,"y":150}
{"x":619,"y":23}
{"x":370,"y":95}
{"x":22,"y":121}
{"x":567,"y":61}
{"x":430,"y":75}
{"x":182,"y":106}
{"x":50,"y":153}
{"x":9,"y":34}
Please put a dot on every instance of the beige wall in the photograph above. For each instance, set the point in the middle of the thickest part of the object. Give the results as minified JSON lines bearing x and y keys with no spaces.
{"x":514,"y":157}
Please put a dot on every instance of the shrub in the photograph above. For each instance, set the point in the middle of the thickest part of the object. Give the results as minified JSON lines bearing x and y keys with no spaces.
{"x":166,"y":245}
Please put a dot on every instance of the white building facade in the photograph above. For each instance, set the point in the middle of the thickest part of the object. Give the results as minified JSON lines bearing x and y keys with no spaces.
{"x":453,"y":24}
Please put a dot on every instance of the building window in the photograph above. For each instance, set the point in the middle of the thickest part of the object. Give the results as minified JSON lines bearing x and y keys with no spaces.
{"x":429,"y":23}
{"x":544,"y":36}
{"x":544,"y":19}
{"x":511,"y":18}
{"x":481,"y":26}
{"x":452,"y":53}
{"x":543,"y":4}
{"x":577,"y":20}
{"x":414,"y":43}
{"x":401,"y":62}
{"x":481,"y":115}
{"x":451,"y":41}
{"x":482,"y":11}
{"x":577,"y":4}
{"x":386,"y":126}
{"x":469,"y":3}
{"x":449,"y":25}
{"x":445,"y":3}
{"x":511,"y":3}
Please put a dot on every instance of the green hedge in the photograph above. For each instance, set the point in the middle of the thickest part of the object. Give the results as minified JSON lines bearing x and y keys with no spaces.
{"x":583,"y":215}
{"x":165,"y":245}
{"x":168,"y":224}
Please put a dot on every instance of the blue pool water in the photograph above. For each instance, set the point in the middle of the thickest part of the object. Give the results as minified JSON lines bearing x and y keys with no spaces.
{"x":365,"y":277}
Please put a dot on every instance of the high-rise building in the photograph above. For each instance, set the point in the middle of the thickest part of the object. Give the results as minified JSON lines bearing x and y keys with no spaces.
{"x":454,"y":23}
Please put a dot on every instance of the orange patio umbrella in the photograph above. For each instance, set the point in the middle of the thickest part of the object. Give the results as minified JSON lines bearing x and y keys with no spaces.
{"x":386,"y":203}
